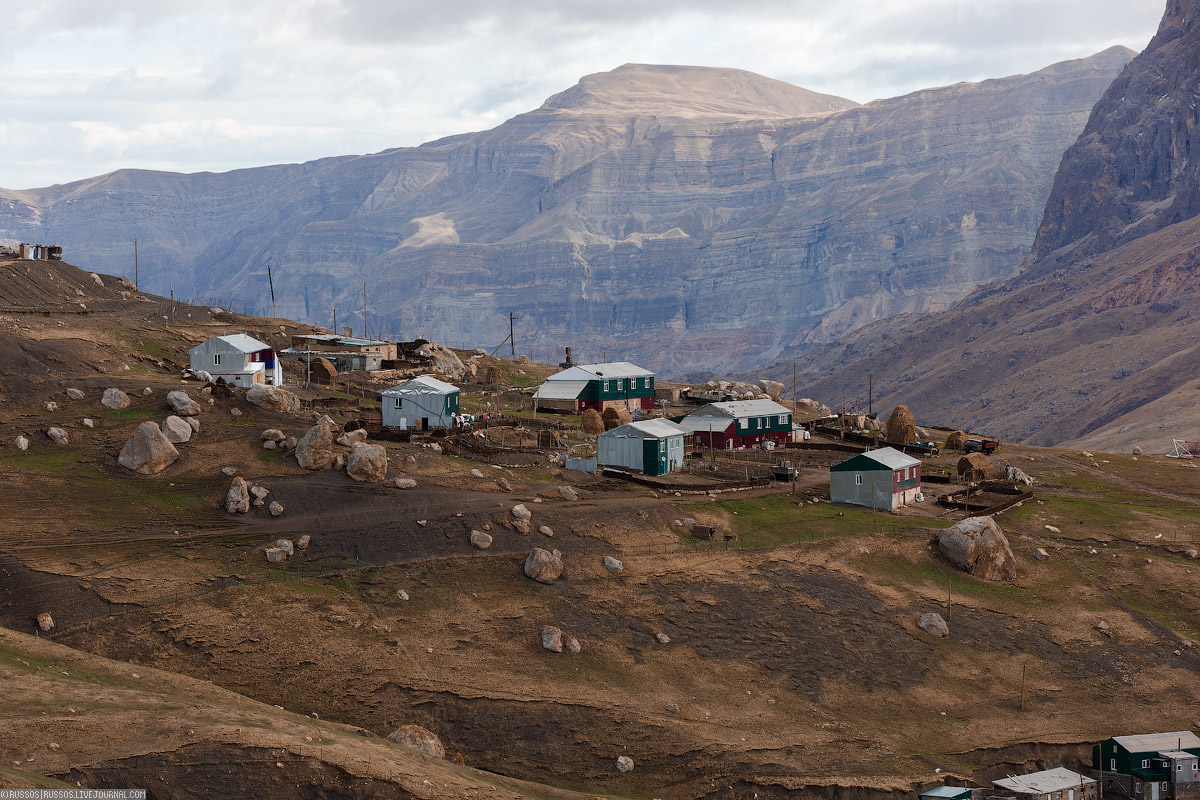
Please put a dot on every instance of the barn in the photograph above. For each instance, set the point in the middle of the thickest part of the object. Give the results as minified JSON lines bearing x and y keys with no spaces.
{"x":884,"y":479}
{"x":421,"y":403}
{"x":652,"y":446}
{"x":239,"y":359}
{"x":597,"y":386}
{"x":738,"y":423}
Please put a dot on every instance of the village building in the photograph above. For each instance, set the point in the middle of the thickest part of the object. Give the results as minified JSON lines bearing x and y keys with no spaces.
{"x":597,"y":386}
{"x":39,"y":252}
{"x":345,"y":352}
{"x":653,"y":447}
{"x":1059,"y":783}
{"x":1150,"y":766}
{"x":947,"y":793}
{"x":884,"y":479}
{"x":239,"y":359}
{"x":421,"y":403}
{"x":739,"y":423}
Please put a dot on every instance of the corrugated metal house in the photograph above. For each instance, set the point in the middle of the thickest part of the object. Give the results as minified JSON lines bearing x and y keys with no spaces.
{"x":947,"y":793}
{"x":421,"y":403}
{"x":884,"y":479}
{"x":738,"y":423}
{"x":597,"y":386}
{"x":346,"y":352}
{"x":240,"y":359}
{"x":653,"y":446}
{"x":1155,"y":765}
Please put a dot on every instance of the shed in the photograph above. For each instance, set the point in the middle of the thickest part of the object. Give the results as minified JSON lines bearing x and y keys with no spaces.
{"x":237,"y":358}
{"x":653,"y":446}
{"x":597,"y":386}
{"x":884,"y":479}
{"x":422,"y":403}
{"x":947,"y":793}
{"x":1059,"y":783}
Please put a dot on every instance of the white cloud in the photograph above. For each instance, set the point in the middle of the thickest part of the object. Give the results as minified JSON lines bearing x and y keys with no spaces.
{"x":87,"y":87}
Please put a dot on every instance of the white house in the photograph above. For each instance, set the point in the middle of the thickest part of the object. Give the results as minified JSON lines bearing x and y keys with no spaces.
{"x":240,"y":359}
{"x":420,"y":403}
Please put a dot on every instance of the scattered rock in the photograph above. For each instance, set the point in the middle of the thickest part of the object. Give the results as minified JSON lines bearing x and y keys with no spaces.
{"x":367,"y":462}
{"x":229,"y":472}
{"x":422,"y":522}
{"x":662,"y":638}
{"x":1102,"y":626}
{"x":271,"y":435}
{"x":1137,"y":451}
{"x":419,"y":739}
{"x":45,"y":621}
{"x":401,"y":594}
{"x":405,"y":483}
{"x":544,"y":566}
{"x":269,"y":445}
{"x":237,"y":499}
{"x":503,"y":485}
{"x":315,"y":448}
{"x":522,"y":526}
{"x":481,"y":540}
{"x":276,"y":508}
{"x":259,"y":492}
{"x":934,"y":624}
{"x":273,"y":398}
{"x":114,"y":399}
{"x":275,"y":555}
{"x":147,"y":391}
{"x":58,"y":435}
{"x":520,"y":512}
{"x":285,"y":545}
{"x":351,"y":438}
{"x":1191,"y":552}
{"x":672,"y":708}
{"x":235,"y":412}
{"x":568,"y":493}
{"x":410,"y":459}
{"x":302,"y":542}
{"x":1040,"y":554}
{"x":289,"y":443}
{"x":147,"y":452}
{"x":624,"y":764}
{"x":573,"y":645}
{"x":21,"y":442}
{"x":1016,"y":475}
{"x":51,"y":406}
{"x":182,"y":404}
{"x":176,"y":430}
{"x":546,"y":530}
{"x":552,"y":639}
{"x":613,"y":565}
{"x":1053,"y":529}
{"x":88,"y":423}
{"x":477,"y":473}
{"x":435,"y":447}
{"x":978,"y":546}
{"x":866,"y":551}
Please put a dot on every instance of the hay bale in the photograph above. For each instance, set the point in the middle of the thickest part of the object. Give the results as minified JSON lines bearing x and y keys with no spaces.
{"x":976,"y":467}
{"x":616,"y":416}
{"x":323,"y":370}
{"x":493,"y":375}
{"x":591,"y":421}
{"x":901,"y":426}
{"x":956,"y":440}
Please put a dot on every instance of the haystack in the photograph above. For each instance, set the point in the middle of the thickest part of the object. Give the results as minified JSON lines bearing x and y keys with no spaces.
{"x":323,"y":371}
{"x":956,"y":440}
{"x":493,"y":375}
{"x":616,"y":416}
{"x":591,"y":421}
{"x":901,"y":426}
{"x":976,"y":467}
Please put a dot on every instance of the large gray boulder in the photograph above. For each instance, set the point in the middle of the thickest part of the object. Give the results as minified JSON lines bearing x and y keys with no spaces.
{"x":58,"y":435}
{"x":978,"y":546}
{"x":114,"y":399}
{"x":420,"y":739}
{"x":367,"y":462}
{"x":544,"y":566}
{"x":182,"y":404}
{"x":147,"y":452}
{"x":237,"y":499}
{"x":177,"y":430}
{"x":21,"y":442}
{"x":351,"y":438}
{"x":481,"y":540}
{"x":315,"y":448}
{"x":273,"y":398}
{"x":934,"y":624}
{"x":74,"y":393}
{"x":773,"y":388}
{"x":552,"y":639}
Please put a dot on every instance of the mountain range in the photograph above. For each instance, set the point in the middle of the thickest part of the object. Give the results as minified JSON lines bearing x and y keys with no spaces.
{"x":696,"y":220}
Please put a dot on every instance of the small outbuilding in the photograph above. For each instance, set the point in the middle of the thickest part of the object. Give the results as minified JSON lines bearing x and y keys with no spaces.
{"x":947,"y":793}
{"x":1059,"y":783}
{"x":421,"y":403}
{"x":239,"y":359}
{"x":653,"y":447}
{"x":885,"y":479}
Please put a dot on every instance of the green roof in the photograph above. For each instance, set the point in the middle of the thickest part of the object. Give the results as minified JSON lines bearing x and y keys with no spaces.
{"x":951,"y":792}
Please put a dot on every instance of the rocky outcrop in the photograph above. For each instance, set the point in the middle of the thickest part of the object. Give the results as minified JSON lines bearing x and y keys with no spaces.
{"x":978,"y":546}
{"x":419,"y":739}
{"x":147,"y":452}
{"x":273,"y":398}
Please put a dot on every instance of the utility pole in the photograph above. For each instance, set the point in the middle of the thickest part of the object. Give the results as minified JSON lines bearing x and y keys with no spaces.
{"x":793,"y":391}
{"x":335,"y":322}
{"x":172,"y":304}
{"x":135,"y":266}
{"x":870,"y":395}
{"x":512,"y":340}
{"x":271,"y":281}
{"x":949,"y":603}
{"x":364,"y":309}
{"x":1023,"y":688}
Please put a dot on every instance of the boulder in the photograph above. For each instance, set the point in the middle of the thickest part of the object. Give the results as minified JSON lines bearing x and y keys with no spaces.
{"x":302,"y":542}
{"x":147,"y":452}
{"x":519,"y":511}
{"x":275,"y":555}
{"x":615,"y":417}
{"x":44,"y":621}
{"x":21,"y":442}
{"x":367,"y":462}
{"x":546,"y":530}
{"x":271,"y":435}
{"x":544,"y":566}
{"x":591,"y":421}
{"x":662,"y":638}
{"x":976,"y":467}
{"x":276,"y":508}
{"x":229,"y":472}
{"x":934,"y":624}
{"x":573,"y":645}
{"x":273,"y":398}
{"x":405,"y":483}
{"x":74,"y":394}
{"x":289,"y":443}
{"x":237,"y":499}
{"x":269,"y":445}
{"x":481,"y":540}
{"x":419,"y":739}
{"x":478,"y":473}
{"x":58,"y":435}
{"x":552,"y":639}
{"x":1016,"y":475}
{"x":259,"y":492}
{"x":956,"y":440}
{"x":114,"y":399}
{"x":339,"y":461}
{"x":1137,"y":451}
{"x":194,"y":422}
{"x":445,"y":361}
{"x":51,"y":407}
{"x":978,"y":546}
{"x":88,"y":423}
{"x":285,"y":545}
{"x":624,"y":764}
{"x":176,"y":430}
{"x":773,"y":389}
{"x":351,"y":438}
{"x":901,"y":426}
{"x":1040,"y":554}
{"x":503,"y":485}
{"x":315,"y":448}
{"x":808,"y":406}
{"x":568,"y":493}
{"x":182,"y":404}
{"x":613,"y":565}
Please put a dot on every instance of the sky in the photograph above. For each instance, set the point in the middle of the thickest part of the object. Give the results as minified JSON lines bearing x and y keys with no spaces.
{"x":87,"y":87}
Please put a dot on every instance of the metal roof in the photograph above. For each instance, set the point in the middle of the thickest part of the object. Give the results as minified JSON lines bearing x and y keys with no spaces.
{"x":243,"y":343}
{"x":739,"y":409}
{"x":695,"y":424}
{"x":892,"y":458}
{"x":421,"y":385}
{"x":1176,"y":754}
{"x":952,"y":792}
{"x":352,"y":341}
{"x":560,"y":390}
{"x":647,"y":429}
{"x":1050,"y":780}
{"x":591,"y":372}
{"x":1153,"y":742}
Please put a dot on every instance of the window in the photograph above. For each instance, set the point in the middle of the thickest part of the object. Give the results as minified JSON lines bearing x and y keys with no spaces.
{"x":858,"y":480}
{"x":399,"y":402}
{"x":1145,"y":763}
{"x":216,"y":359}
{"x":741,"y":423}
{"x":783,"y":419}
{"x":1179,"y":767}
{"x":1112,"y":765}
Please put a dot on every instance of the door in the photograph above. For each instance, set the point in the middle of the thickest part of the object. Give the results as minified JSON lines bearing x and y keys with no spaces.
{"x":1070,"y":794}
{"x":1154,"y":790}
{"x":424,"y":423}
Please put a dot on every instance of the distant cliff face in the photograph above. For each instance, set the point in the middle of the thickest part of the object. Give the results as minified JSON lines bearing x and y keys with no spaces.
{"x":689,"y":218}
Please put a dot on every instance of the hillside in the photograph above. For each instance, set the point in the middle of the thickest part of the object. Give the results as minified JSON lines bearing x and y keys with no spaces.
{"x":693,"y":219}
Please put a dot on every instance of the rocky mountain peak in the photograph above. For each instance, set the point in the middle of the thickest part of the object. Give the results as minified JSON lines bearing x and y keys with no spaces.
{"x":672,"y":90}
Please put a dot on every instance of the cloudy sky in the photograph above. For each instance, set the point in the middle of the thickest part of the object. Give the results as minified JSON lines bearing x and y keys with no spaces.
{"x":89,"y":86}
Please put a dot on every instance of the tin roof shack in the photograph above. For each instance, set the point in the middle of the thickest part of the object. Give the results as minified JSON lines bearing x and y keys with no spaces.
{"x":346,"y":352}
{"x":422,"y":403}
{"x":1051,"y":784}
{"x":947,"y":793}
{"x":1151,"y":765}
{"x":652,"y":446}
{"x":597,"y":386}
{"x":738,"y":423}
{"x":40,"y":252}
{"x":883,"y":479}
{"x":237,"y":358}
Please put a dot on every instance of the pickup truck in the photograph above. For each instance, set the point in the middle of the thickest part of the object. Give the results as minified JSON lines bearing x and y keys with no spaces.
{"x":986,"y":446}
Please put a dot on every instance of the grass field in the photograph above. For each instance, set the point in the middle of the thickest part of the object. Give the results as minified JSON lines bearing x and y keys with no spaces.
{"x":762,"y":522}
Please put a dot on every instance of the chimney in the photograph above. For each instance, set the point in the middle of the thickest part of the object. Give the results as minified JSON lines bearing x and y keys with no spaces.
{"x":569,"y":362}
{"x":347,"y":331}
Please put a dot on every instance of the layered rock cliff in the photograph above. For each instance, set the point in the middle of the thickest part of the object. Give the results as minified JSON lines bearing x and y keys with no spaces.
{"x":692,"y":219}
